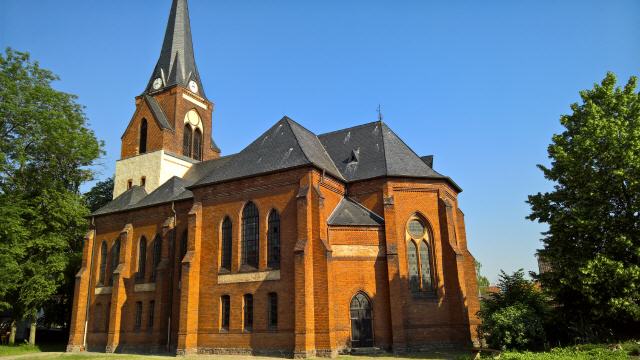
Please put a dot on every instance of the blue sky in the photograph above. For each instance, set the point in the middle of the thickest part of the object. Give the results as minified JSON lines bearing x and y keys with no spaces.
{"x":479,"y":84}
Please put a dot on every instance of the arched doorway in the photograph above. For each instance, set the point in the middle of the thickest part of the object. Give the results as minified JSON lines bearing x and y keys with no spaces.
{"x":361,"y":322}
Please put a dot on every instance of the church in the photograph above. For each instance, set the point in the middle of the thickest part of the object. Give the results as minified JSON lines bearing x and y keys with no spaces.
{"x":299,"y":245}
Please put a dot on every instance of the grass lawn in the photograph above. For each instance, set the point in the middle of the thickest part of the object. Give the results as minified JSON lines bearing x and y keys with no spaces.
{"x":626,"y":350}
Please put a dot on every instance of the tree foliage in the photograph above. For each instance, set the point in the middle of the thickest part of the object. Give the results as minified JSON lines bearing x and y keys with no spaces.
{"x":46,"y":149}
{"x":483,"y":282}
{"x":99,"y":195}
{"x":593,"y":212}
{"x":514,"y":317}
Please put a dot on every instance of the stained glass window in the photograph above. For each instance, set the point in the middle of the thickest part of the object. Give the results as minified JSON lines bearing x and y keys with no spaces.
{"x":227,"y":229}
{"x":425,"y":266}
{"x":103,"y":263}
{"x":250,"y":235}
{"x":414,"y":278}
{"x":273,"y":240}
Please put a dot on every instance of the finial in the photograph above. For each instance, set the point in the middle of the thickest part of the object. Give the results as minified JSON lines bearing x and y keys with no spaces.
{"x":379,"y":113}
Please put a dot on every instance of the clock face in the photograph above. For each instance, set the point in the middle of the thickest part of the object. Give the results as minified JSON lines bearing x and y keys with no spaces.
{"x":157,"y":84}
{"x":193,"y":86}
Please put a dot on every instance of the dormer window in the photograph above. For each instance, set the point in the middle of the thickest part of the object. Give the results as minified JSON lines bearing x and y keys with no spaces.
{"x":129,"y":184}
{"x":143,"y":181}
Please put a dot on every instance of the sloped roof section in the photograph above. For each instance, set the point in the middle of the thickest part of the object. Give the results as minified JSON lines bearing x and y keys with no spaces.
{"x":374,"y":150}
{"x":285,"y":145}
{"x":351,"y":213}
{"x":176,"y":64}
{"x":173,"y":189}
{"x":125,"y":201}
{"x":157,"y":112}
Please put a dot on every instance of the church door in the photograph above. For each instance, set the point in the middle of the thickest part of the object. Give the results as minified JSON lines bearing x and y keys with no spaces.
{"x":361,"y":323}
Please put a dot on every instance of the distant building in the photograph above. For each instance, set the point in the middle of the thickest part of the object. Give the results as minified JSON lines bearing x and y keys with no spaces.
{"x":543,"y":265}
{"x":300,"y":244}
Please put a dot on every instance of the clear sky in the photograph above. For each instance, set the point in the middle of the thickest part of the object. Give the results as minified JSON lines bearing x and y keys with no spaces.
{"x":479,"y":84}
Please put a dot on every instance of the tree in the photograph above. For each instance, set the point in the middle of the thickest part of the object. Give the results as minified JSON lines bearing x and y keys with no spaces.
{"x":99,"y":195}
{"x":46,"y":150}
{"x":593,"y":212}
{"x":514,"y":317}
{"x":483,"y":282}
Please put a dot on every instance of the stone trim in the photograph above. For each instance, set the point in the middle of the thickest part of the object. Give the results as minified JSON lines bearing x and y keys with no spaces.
{"x":249,"y":277}
{"x":144,"y":287}
{"x":366,"y":251}
{"x":103,"y":290}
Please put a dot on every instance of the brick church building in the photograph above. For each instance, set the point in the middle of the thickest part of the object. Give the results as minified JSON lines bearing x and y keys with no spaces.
{"x":300,"y":244}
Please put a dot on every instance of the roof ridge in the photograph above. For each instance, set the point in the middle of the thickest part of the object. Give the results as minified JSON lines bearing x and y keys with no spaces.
{"x":349,"y":128}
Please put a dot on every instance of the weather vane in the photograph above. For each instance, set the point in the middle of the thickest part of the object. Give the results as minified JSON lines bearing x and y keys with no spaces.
{"x":379,"y":113}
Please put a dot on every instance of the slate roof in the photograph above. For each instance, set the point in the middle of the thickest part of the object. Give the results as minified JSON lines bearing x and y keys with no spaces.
{"x":285,"y":145}
{"x":124,"y":201}
{"x":176,"y":64}
{"x":374,"y":150}
{"x":362,"y":152}
{"x":350,"y":213}
{"x":157,"y":112}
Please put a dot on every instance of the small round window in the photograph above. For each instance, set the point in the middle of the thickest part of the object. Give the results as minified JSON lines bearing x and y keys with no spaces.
{"x":416,"y":229}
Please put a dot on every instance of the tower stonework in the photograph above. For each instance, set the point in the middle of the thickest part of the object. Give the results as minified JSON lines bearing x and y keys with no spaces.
{"x":154,"y":144}
{"x":298,"y":245}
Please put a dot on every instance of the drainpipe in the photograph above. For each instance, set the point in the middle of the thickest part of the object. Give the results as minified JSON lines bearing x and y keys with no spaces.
{"x":86,"y":319}
{"x":175,"y":221}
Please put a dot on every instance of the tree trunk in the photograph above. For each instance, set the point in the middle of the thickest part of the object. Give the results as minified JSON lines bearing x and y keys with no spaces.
{"x":12,"y":334}
{"x":32,"y":332}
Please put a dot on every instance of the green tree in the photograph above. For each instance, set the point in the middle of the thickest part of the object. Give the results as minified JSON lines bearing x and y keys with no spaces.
{"x":46,"y":149}
{"x":593,"y":212}
{"x":483,"y":282}
{"x":514,"y":317}
{"x":99,"y":195}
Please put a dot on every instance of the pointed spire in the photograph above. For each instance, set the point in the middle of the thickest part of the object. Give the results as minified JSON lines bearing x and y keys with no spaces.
{"x":177,"y":64}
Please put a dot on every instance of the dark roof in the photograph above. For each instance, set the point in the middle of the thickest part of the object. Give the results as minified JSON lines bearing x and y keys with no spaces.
{"x":173,"y":189}
{"x":350,"y":213}
{"x":177,"y":64}
{"x":157,"y":112}
{"x":374,"y":150}
{"x":285,"y":145}
{"x":125,"y":201}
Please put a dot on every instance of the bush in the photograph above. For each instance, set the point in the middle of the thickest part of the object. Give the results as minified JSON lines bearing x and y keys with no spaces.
{"x":515,"y":317}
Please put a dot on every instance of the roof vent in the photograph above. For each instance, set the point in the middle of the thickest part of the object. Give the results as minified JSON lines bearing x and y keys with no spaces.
{"x":428,"y":160}
{"x":355,"y":156}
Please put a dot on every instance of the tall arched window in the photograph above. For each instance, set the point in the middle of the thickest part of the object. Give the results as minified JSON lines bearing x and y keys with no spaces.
{"x":225,"y":252}
{"x":157,"y":254}
{"x":273,"y":240}
{"x":250,"y":235}
{"x":115,"y":258}
{"x":361,"y":321}
{"x":142,"y":258}
{"x":143,"y":137}
{"x":197,"y":144}
{"x":412,"y":261}
{"x":186,"y":140}
{"x":103,"y":263}
{"x":419,"y":258}
{"x":425,"y":267}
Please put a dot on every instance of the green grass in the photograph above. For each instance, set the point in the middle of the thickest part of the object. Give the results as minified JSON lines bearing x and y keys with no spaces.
{"x":6,"y":350}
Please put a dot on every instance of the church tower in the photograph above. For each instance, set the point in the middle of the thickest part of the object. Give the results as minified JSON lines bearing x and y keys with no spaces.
{"x":171,"y":127}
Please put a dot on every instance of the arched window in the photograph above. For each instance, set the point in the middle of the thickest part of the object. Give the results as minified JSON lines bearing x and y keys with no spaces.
{"x":103,"y":263}
{"x":142,"y":258}
{"x":361,"y":321}
{"x":425,"y":267}
{"x":412,"y":261}
{"x":250,"y":235}
{"x":419,"y":257}
{"x":157,"y":254}
{"x":197,"y":144}
{"x":248,"y":312}
{"x":272,"y":311}
{"x":143,"y":137}
{"x":225,"y":309}
{"x":273,"y":240}
{"x":115,"y":258}
{"x":225,"y":253}
{"x":186,"y":140}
